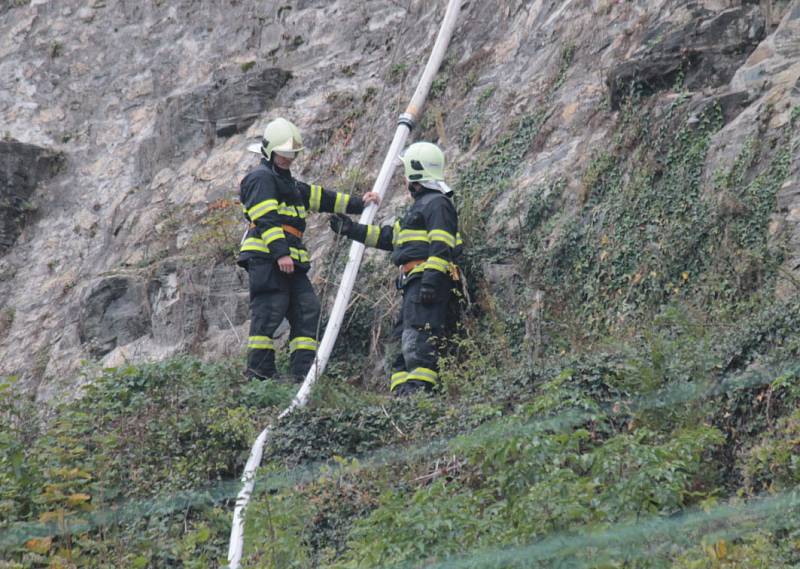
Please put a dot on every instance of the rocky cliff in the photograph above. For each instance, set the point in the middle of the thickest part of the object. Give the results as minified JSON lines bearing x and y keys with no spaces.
{"x":125,"y":124}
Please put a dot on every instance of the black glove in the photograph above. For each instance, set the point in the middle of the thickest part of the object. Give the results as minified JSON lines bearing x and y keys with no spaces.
{"x":427,"y":294}
{"x":341,"y":224}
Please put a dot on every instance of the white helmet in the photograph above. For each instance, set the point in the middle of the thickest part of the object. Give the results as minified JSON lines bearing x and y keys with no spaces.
{"x":281,"y":137}
{"x":424,"y":163}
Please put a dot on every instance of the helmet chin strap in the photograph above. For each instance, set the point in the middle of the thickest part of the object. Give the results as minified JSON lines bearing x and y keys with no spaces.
{"x":414,"y":188}
{"x":440,"y":187}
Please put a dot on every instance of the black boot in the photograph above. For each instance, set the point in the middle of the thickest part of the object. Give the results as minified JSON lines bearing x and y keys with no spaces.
{"x":410,"y":387}
{"x":249,"y":373}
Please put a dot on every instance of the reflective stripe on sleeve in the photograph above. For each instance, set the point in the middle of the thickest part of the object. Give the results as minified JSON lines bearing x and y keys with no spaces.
{"x":444,"y":236}
{"x":260,"y":343}
{"x":303,"y":343}
{"x":395,"y":232}
{"x":315,"y":199}
{"x":341,"y":203}
{"x":299,"y":255}
{"x":273,"y":234}
{"x":262,"y":208}
{"x":373,"y":234}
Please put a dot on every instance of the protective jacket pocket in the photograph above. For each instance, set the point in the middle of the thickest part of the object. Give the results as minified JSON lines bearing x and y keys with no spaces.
{"x":264,"y":276}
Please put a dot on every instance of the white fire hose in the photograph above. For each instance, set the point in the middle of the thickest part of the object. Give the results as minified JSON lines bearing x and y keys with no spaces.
{"x":406,"y":122}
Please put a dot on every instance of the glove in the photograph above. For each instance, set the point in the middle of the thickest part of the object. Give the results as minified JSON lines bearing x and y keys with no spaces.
{"x":341,"y":224}
{"x":427,"y":294}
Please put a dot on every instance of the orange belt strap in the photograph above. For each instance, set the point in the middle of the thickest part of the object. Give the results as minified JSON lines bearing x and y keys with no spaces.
{"x":408,"y":267}
{"x":287,"y":228}
{"x":293,"y":230}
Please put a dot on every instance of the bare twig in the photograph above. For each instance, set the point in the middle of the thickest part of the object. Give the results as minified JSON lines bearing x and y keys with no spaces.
{"x":396,"y":428}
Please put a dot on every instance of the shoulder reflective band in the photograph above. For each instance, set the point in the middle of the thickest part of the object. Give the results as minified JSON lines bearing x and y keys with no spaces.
{"x":254,"y":244}
{"x":260,"y":343}
{"x":444,"y":236}
{"x":262,"y":208}
{"x":398,"y":377}
{"x":373,"y":234}
{"x":315,"y":200}
{"x":341,"y":203}
{"x":273,"y":234}
{"x":438,"y":263}
{"x":423,"y":374}
{"x":303,"y":343}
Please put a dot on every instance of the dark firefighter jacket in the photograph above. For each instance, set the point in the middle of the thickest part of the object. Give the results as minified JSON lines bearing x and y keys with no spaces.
{"x":275,"y":204}
{"x":428,"y":232}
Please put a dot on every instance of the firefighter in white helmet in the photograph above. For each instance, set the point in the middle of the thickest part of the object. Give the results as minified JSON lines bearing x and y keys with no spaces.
{"x":426,"y":245}
{"x":276,"y":205}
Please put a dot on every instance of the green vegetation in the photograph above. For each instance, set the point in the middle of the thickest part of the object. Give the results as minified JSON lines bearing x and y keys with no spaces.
{"x":126,"y":476}
{"x":217,"y":238}
{"x":657,"y":426}
{"x":397,"y":71}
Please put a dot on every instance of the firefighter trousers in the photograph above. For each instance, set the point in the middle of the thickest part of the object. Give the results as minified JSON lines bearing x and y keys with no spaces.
{"x":421,"y":328}
{"x":274,"y":296}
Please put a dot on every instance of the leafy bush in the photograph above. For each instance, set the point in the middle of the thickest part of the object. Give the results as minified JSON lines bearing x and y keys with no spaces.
{"x":129,"y":474}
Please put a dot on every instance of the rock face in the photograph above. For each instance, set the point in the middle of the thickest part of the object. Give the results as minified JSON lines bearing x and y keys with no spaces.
{"x":699,"y":48}
{"x":153,"y":104}
{"x":22,"y":168}
{"x":113,"y":312}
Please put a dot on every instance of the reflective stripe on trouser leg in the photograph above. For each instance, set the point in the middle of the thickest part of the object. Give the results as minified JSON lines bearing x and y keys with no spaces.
{"x":303,"y":343}
{"x":394,"y":353}
{"x":261,"y":355}
{"x":268,"y":304}
{"x":303,"y":315}
{"x":422,"y":324}
{"x":423,"y":374}
{"x":398,"y":378}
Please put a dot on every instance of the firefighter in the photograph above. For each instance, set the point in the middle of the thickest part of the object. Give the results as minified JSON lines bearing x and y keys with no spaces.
{"x":272,"y":251}
{"x":425,"y":244}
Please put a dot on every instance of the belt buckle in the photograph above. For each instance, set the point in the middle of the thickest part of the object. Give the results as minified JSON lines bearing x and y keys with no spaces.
{"x":400,"y":281}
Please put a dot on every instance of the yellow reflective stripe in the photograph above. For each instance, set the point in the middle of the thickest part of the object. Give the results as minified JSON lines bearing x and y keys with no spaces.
{"x":262,"y":208}
{"x":373,"y":234}
{"x":303,"y":343}
{"x":288,"y":210}
{"x":397,"y":378}
{"x":459,"y":240}
{"x":437,"y":263}
{"x":407,"y":235}
{"x":423,"y":374}
{"x":315,"y":199}
{"x":260,"y":343}
{"x":341,"y":203}
{"x":301,"y":211}
{"x":300,"y":255}
{"x":273,"y":234}
{"x":441,"y":235}
{"x":395,"y":232}
{"x":254,"y":244}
